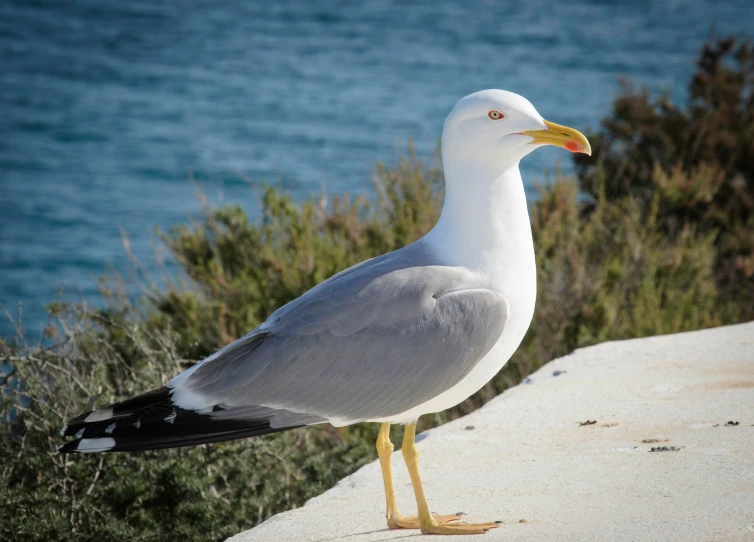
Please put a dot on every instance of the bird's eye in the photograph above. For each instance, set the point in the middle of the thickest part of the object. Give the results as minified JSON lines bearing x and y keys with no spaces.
{"x":495,"y":114}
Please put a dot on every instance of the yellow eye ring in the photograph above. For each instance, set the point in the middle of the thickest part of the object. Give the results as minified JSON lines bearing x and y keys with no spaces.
{"x":495,"y":115}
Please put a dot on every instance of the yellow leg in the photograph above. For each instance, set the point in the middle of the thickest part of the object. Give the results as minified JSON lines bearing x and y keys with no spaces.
{"x":394,"y":518}
{"x":427,"y":523}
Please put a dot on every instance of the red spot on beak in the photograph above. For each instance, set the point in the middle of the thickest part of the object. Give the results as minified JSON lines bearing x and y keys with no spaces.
{"x":572,"y":146}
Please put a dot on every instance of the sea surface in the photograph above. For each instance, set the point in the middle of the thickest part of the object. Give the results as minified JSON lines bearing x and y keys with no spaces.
{"x":114,"y":114}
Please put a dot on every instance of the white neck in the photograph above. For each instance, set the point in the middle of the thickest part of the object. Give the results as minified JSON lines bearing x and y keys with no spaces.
{"x":485,"y":226}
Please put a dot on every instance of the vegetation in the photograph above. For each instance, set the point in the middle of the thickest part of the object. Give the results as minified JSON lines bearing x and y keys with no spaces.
{"x":695,"y":162}
{"x":664,"y":242}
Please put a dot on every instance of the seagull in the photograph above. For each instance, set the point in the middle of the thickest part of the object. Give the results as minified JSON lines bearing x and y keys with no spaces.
{"x":408,"y":333}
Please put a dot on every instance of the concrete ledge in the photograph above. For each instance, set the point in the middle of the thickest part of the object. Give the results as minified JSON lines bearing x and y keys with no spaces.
{"x":568,"y":455}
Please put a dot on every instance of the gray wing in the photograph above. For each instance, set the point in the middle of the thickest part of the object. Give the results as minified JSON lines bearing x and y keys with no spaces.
{"x":371,"y":342}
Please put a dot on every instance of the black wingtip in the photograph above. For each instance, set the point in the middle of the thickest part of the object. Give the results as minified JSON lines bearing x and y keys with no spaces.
{"x":152,"y":421}
{"x":69,"y":447}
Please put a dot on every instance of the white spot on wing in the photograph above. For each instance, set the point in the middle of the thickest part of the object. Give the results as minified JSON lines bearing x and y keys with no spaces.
{"x":79,"y":434}
{"x":138,"y":423}
{"x":89,"y":445}
{"x":109,"y":428}
{"x":171,"y":417}
{"x":62,"y":431}
{"x":99,"y":415}
{"x":190,"y":400}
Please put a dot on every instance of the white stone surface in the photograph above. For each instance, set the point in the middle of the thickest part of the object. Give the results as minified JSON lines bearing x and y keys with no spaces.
{"x":526,"y":459}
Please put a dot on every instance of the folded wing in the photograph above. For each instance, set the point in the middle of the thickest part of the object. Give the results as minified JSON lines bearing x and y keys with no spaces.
{"x":371,"y":343}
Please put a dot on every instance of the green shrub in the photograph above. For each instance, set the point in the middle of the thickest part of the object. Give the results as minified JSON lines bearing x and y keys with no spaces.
{"x":647,"y":254}
{"x":240,"y":271}
{"x":696,"y":162}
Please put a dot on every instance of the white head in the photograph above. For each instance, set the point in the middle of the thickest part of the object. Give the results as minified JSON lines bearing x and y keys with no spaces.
{"x":492,"y":130}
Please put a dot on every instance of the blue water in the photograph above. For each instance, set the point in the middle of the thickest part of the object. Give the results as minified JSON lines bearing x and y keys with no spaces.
{"x":108,"y":110}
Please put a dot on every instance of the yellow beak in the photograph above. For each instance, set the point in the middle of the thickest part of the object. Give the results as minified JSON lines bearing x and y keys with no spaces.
{"x":561,"y":136}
